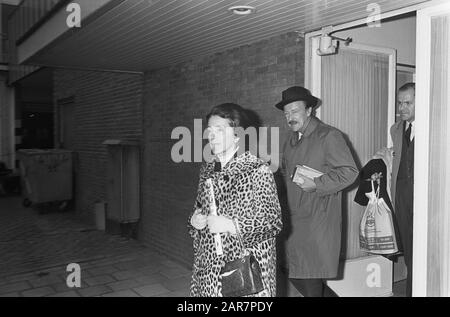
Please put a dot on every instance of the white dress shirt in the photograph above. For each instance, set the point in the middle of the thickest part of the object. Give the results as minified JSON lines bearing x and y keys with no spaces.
{"x":413,"y":128}
{"x":227,"y":157}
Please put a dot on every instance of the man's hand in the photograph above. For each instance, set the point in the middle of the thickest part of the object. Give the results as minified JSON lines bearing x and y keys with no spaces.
{"x":308,"y":185}
{"x":198,"y":221}
{"x":218,"y":224}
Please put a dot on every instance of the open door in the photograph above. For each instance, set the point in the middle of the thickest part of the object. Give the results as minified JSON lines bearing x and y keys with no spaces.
{"x":357,"y":89}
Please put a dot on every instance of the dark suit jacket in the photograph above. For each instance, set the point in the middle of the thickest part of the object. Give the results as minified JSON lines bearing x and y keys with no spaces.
{"x":365,"y":185}
{"x":396,"y":135}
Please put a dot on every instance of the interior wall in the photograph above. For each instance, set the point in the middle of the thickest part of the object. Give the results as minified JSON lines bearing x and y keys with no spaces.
{"x":399,"y":34}
{"x":106,"y":106}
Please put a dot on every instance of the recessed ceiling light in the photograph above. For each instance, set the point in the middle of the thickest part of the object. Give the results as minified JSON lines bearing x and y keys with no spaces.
{"x":242,"y":10}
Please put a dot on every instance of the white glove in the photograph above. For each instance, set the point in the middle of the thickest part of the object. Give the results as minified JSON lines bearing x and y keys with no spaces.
{"x":218,"y":224}
{"x":198,"y":221}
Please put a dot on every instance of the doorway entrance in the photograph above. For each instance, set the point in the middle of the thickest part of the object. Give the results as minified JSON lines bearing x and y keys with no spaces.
{"x":430,"y":71}
{"x":357,"y":85}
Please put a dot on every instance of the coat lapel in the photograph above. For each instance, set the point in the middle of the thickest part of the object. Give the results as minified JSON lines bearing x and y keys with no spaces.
{"x":397,"y":134}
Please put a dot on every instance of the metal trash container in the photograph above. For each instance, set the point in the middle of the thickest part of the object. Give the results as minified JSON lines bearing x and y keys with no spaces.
{"x":46,"y":176}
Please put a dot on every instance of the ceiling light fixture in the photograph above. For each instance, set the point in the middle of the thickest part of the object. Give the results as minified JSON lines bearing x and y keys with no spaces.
{"x":242,"y":10}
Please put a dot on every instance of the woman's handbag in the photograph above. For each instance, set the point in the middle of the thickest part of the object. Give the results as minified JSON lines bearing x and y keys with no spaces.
{"x":242,"y":276}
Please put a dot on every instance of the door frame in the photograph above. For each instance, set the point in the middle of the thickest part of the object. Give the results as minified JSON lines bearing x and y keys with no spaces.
{"x":60,"y":127}
{"x":424,"y":11}
{"x":422,"y":141}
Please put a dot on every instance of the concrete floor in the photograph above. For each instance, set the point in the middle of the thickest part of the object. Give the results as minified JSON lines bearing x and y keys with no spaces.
{"x":35,"y":250}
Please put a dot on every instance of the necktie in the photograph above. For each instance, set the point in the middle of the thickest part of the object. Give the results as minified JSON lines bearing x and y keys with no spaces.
{"x":217,"y":166}
{"x":295,"y":138}
{"x":408,"y":134}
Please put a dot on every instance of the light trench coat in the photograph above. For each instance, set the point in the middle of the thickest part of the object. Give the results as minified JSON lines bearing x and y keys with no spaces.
{"x":314,"y":243}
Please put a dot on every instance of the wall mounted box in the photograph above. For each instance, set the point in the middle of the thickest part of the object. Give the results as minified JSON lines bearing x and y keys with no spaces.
{"x":123,"y":192}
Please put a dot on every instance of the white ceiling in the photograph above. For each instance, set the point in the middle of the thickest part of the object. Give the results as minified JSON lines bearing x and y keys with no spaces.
{"x":140,"y":35}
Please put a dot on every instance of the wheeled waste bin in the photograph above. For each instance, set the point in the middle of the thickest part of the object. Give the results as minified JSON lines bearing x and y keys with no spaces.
{"x":46,"y":176}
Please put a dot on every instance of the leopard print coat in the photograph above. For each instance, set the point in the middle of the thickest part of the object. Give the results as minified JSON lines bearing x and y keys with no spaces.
{"x":244,"y":190}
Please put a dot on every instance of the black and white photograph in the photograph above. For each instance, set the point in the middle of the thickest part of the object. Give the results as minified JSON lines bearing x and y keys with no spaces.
{"x":225,"y":154}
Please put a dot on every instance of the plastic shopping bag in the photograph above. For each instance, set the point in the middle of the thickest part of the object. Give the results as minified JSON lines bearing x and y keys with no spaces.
{"x":377,"y":233}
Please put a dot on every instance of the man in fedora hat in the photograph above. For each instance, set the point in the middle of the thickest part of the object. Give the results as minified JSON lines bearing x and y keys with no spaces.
{"x":314,"y":244}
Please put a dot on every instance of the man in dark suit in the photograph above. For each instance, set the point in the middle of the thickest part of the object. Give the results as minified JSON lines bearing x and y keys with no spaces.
{"x":402,"y":188}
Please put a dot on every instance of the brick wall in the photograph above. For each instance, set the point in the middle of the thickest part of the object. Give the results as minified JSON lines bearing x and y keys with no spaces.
{"x":252,"y":76}
{"x":7,"y":123}
{"x":106,"y":106}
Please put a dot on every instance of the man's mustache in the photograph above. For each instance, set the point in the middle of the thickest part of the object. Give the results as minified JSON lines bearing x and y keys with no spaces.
{"x":292,"y":122}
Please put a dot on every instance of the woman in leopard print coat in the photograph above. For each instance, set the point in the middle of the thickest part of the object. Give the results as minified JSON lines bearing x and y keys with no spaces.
{"x":247,"y":202}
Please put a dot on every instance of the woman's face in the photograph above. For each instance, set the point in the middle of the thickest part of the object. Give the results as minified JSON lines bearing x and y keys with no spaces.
{"x":221,"y":135}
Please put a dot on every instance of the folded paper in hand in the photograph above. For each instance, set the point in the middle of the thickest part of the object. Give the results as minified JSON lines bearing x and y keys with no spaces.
{"x":302,"y":171}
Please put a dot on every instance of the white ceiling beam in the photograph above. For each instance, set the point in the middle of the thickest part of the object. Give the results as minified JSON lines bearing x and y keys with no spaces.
{"x":54,"y":28}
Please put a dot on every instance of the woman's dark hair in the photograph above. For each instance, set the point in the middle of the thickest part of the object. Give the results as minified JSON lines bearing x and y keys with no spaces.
{"x":235,"y":114}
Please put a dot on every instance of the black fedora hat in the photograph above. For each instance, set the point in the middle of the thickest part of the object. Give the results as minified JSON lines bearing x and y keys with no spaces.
{"x":297,"y":93}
